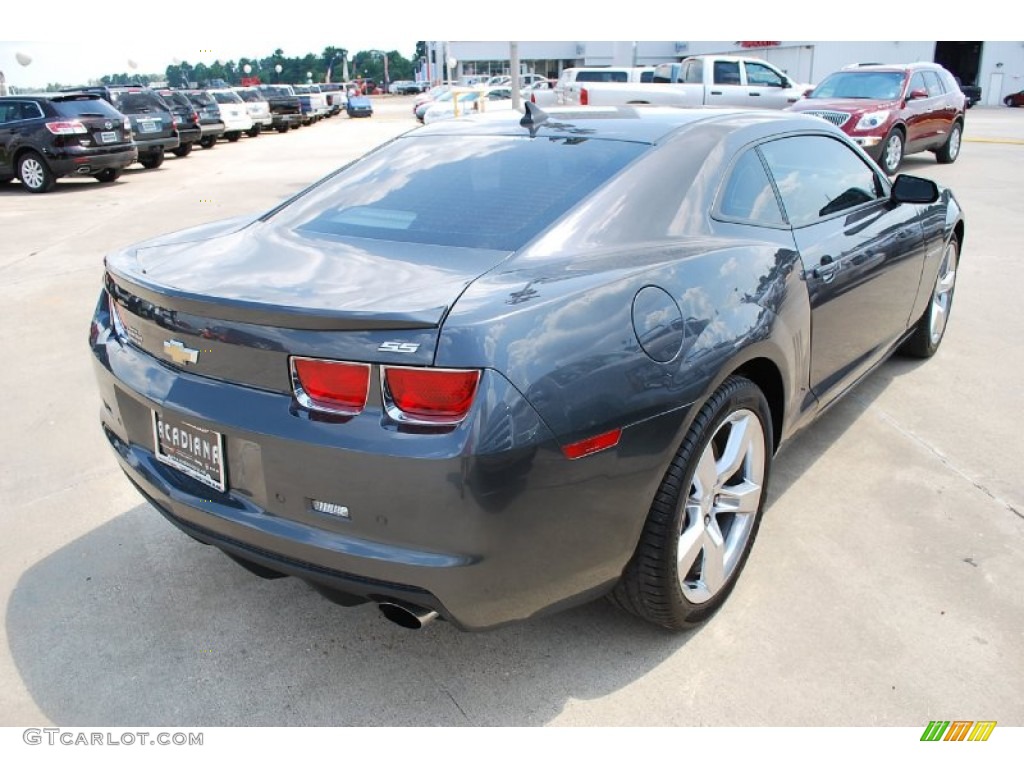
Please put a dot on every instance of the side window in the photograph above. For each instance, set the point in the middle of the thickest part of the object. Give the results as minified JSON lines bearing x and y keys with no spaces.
{"x":759,"y":74}
{"x":748,"y":194}
{"x":5,"y":112}
{"x":818,"y":177}
{"x":917,"y":83}
{"x":931,"y":82}
{"x":694,"y":72}
{"x":727,"y":73}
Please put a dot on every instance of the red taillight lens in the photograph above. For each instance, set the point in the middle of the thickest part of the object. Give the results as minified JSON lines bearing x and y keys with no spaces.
{"x":430,"y":395}
{"x":329,"y":385}
{"x":66,"y":127}
{"x":584,"y":97}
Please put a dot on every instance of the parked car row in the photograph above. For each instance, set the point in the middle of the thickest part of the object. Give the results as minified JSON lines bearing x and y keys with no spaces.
{"x":99,"y":131}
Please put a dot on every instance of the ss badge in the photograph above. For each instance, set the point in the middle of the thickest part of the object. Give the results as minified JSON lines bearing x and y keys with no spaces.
{"x":398,"y":346}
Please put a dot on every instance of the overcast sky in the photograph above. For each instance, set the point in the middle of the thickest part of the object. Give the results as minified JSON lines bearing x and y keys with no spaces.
{"x":79,"y":44}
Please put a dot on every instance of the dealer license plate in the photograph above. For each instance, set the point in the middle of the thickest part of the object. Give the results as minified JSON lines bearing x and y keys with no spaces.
{"x":108,"y":137}
{"x":194,"y":450}
{"x":148,"y":126}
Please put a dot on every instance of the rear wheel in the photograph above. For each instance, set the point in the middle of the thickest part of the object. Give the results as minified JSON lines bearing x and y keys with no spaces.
{"x":233,"y":136}
{"x":949,"y":151}
{"x":931,"y":327}
{"x":282,"y":129}
{"x":107,"y":175}
{"x":35,"y":174}
{"x":1008,"y":101}
{"x":182,"y":149}
{"x":152,"y":161}
{"x":705,"y":515}
{"x":892,"y":152}
{"x":208,"y":142}
{"x":255,"y":131}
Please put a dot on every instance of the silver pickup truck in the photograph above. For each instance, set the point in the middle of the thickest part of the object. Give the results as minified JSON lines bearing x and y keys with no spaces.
{"x":725,"y":81}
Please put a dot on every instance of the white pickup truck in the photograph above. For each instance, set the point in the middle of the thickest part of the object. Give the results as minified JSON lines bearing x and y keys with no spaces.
{"x":726,"y":81}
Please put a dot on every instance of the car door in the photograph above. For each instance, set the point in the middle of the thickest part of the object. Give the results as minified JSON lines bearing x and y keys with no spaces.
{"x":943,"y":109}
{"x":766,"y":87}
{"x":920,"y":123}
{"x":862,"y":256}
{"x":727,"y":88}
{"x":15,"y":130}
{"x":6,"y":135}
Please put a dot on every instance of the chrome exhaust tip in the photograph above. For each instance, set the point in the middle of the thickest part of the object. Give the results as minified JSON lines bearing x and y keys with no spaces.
{"x":408,"y":616}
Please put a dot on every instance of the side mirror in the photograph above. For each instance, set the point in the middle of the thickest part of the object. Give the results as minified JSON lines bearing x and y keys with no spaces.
{"x":914,"y":189}
{"x":917,"y":93}
{"x":807,"y":93}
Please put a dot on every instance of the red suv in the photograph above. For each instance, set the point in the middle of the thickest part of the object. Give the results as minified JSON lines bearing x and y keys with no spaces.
{"x":892,"y":111}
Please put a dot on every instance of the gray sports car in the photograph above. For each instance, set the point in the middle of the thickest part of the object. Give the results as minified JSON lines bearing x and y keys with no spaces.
{"x":500,"y":366}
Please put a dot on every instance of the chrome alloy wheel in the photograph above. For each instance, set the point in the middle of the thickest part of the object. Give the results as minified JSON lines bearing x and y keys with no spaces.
{"x":722,"y":505}
{"x":893,"y":152}
{"x":33,"y":174}
{"x":954,"y":142}
{"x":942,"y":297}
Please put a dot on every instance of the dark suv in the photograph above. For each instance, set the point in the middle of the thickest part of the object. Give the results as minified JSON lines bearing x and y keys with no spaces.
{"x":154,"y":127}
{"x":211,"y":124}
{"x":893,"y":111}
{"x":58,"y":134}
{"x":189,"y":129}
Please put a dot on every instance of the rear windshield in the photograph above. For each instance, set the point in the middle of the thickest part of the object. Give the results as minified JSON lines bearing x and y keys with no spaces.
{"x":602,"y":76}
{"x":860,"y":85}
{"x":277,"y":91}
{"x":223,"y":97}
{"x":134,"y":102}
{"x":493,"y":192}
{"x":201,"y":98}
{"x":301,"y":88}
{"x":250,"y":96}
{"x":85,"y":107}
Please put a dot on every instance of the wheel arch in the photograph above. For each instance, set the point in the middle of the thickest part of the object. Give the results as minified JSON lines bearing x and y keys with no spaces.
{"x":768,"y":378}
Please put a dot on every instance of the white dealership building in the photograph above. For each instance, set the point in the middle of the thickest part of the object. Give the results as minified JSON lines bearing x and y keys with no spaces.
{"x":998,"y":67}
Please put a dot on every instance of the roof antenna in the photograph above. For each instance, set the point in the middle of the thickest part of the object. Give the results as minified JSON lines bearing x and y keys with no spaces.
{"x":534,"y":118}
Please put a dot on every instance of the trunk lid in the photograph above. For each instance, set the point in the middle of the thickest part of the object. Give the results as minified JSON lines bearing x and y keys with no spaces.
{"x":247,"y":300}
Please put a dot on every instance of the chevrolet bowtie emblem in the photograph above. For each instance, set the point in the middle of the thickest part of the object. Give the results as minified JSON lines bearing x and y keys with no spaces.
{"x":179,"y":353}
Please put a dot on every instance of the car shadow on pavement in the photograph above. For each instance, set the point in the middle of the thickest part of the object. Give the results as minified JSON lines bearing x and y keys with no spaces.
{"x":136,"y":624}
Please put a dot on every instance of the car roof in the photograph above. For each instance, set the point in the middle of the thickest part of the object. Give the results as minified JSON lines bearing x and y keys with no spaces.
{"x":61,"y":96}
{"x":641,"y":124}
{"x":892,"y":67}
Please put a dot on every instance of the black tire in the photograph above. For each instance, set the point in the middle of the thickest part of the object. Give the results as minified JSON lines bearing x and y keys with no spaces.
{"x":891,"y":155}
{"x":282,"y":129}
{"x":1008,"y":101}
{"x":107,"y":175}
{"x":152,"y":161}
{"x":233,"y":136}
{"x":255,"y":131}
{"x":208,"y":142}
{"x":652,"y":586}
{"x":931,"y":326}
{"x":182,"y":150}
{"x":35,"y":175}
{"x":950,"y":151}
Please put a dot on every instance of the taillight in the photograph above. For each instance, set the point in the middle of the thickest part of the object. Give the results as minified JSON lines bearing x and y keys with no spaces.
{"x":329,"y":385}
{"x":533,"y":98}
{"x":195,"y":117}
{"x":584,"y":97}
{"x":127,"y":125}
{"x":66,"y":127}
{"x":115,"y":319}
{"x":428,"y":395}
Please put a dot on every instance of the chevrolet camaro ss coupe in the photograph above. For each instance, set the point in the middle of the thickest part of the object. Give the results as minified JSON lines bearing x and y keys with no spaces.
{"x":503,"y":365}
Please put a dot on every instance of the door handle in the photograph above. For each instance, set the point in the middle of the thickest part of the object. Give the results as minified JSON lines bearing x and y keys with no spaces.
{"x":716,"y":93}
{"x":826,"y":269}
{"x":754,"y":93}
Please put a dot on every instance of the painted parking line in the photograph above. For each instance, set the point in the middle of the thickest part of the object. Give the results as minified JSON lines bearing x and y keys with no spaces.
{"x":995,"y":141}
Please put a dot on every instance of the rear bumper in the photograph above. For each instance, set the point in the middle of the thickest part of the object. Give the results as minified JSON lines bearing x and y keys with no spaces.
{"x":211,"y":129}
{"x":486,"y":524}
{"x":291,"y":120}
{"x":79,"y":160}
{"x":154,"y":145}
{"x":189,"y":135}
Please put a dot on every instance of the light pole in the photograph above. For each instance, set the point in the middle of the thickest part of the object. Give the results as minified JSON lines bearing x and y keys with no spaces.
{"x":278,"y":68}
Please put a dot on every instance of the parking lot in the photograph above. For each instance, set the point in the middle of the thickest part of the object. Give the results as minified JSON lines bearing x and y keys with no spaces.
{"x":884,"y":587}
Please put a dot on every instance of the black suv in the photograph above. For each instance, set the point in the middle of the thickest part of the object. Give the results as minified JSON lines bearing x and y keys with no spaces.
{"x":285,"y":107}
{"x":154,"y":127}
{"x":189,"y":129}
{"x":58,"y":134}
{"x":210,"y":121}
